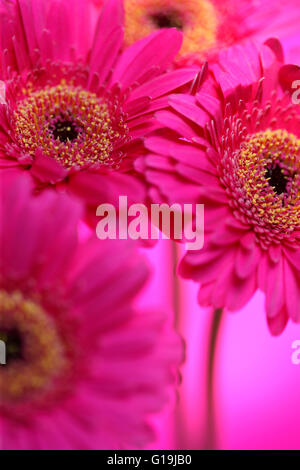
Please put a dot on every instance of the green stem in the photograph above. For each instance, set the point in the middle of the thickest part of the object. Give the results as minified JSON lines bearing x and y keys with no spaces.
{"x":211,"y":431}
{"x":176,"y":287}
{"x":180,"y":425}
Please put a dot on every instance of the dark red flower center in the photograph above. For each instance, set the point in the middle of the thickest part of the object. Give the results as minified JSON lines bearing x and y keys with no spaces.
{"x":64,"y":130}
{"x":167,"y":19}
{"x":14,"y":344}
{"x":277,"y":179}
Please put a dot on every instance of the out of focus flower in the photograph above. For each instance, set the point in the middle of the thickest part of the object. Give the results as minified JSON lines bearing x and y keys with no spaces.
{"x":73,"y":108}
{"x":210,"y":25}
{"x":235,"y":147}
{"x":83,"y":368}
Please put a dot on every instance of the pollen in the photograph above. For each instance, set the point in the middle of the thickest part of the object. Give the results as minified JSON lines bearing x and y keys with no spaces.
{"x":267,"y":181}
{"x":197,"y":19}
{"x":35,"y":352}
{"x":70,"y":124}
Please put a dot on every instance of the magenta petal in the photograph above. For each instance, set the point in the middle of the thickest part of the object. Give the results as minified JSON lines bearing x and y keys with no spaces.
{"x":247,"y":261}
{"x":47,"y":169}
{"x":239,"y":292}
{"x":176,"y":123}
{"x":292,"y":291}
{"x":102,"y":187}
{"x":287,"y":75}
{"x":157,"y":50}
{"x":274,"y":289}
{"x":108,"y":40}
{"x":277,"y":324}
{"x":59,"y":24}
{"x":293,"y":256}
{"x":196,"y":175}
{"x":186,"y":105}
{"x":276,"y":47}
{"x":48,"y":228}
{"x":164,"y":84}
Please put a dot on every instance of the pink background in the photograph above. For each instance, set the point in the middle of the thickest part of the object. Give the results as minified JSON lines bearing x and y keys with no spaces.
{"x":257,"y":387}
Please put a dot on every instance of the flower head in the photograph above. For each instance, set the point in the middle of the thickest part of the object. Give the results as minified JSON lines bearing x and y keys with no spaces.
{"x":83,"y":368}
{"x":198,"y":20}
{"x":209,"y":25}
{"x":235,"y":147}
{"x":74,"y":108}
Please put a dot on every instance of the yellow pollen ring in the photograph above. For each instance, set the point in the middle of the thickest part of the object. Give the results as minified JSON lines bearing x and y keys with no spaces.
{"x":280,"y":211}
{"x":43,"y":351}
{"x":98,"y":131}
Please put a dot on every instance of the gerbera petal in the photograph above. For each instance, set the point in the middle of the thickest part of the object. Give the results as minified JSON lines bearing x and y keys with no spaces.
{"x":275,"y":289}
{"x":277,"y":324}
{"x":156,"y":51}
{"x":293,"y":256}
{"x":39,"y":236}
{"x":292,"y":291}
{"x":237,"y":66}
{"x":46,"y":169}
{"x":176,"y":123}
{"x":221,"y":285}
{"x":108,"y":40}
{"x":97,"y":367}
{"x":288,"y":74}
{"x":205,"y":294}
{"x":95,"y":187}
{"x":239,"y":292}
{"x":186,"y":106}
{"x":247,"y":261}
{"x":164,"y":84}
{"x":59,"y":24}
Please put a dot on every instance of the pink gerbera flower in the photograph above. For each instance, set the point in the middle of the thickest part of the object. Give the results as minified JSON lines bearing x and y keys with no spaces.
{"x":209,"y":25}
{"x":83,"y":368}
{"x":73,"y":108}
{"x":235,"y":146}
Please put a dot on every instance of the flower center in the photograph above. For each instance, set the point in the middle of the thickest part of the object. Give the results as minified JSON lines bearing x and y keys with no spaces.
{"x":70,"y":124}
{"x":65,"y":130}
{"x":35,"y":354}
{"x":277,"y":179}
{"x":168,"y":19}
{"x":265,"y":181}
{"x":13,"y":341}
{"x":197,"y":19}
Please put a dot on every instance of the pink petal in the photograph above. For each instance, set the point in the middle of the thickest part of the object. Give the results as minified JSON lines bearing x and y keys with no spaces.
{"x":240,"y":292}
{"x":157,"y":50}
{"x":277,"y":324}
{"x":292,"y":291}
{"x":108,"y":40}
{"x":247,"y":261}
{"x":186,"y":105}
{"x":164,"y":84}
{"x":47,"y":169}
{"x":176,"y":123}
{"x":274,"y":289}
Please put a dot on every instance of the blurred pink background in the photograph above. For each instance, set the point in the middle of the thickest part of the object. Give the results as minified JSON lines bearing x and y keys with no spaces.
{"x":257,"y":385}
